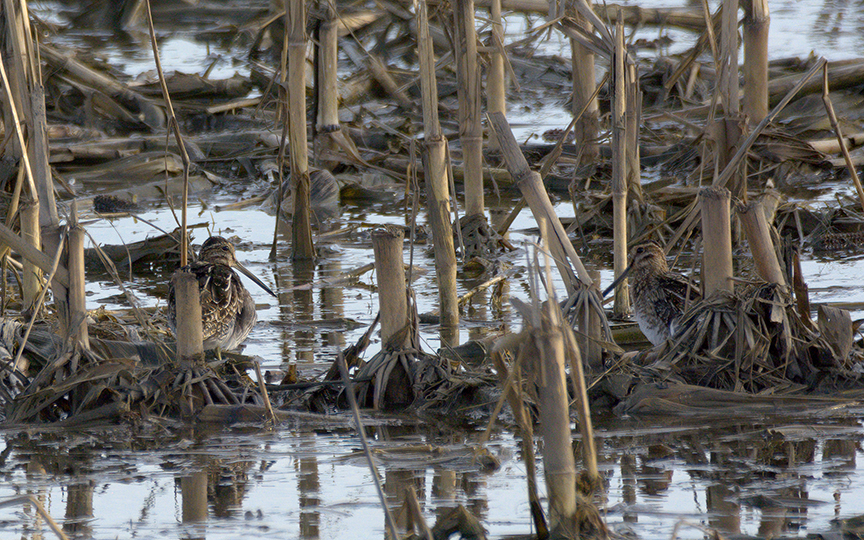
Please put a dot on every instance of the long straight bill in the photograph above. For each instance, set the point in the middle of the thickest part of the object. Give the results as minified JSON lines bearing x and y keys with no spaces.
{"x":254,"y":278}
{"x":618,"y":280}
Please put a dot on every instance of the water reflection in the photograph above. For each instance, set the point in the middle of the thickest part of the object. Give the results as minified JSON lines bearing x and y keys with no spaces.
{"x":308,"y":483}
{"x":308,"y":489}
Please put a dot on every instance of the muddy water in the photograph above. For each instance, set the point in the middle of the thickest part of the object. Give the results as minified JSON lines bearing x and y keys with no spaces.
{"x":788,"y":476}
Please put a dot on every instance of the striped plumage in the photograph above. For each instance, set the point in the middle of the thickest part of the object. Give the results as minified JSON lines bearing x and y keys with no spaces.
{"x":227,"y":308}
{"x":658,"y":295}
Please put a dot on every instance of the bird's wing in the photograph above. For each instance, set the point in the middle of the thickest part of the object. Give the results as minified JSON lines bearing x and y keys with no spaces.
{"x":681,"y":292}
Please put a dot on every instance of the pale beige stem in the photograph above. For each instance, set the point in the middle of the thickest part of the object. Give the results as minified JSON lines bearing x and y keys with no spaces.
{"x":77,"y":293}
{"x":468,"y":90}
{"x":729,"y":55}
{"x":584,"y":81}
{"x":558,"y":462}
{"x":756,"y":24}
{"x":619,"y":172}
{"x":758,"y":234}
{"x":31,"y":282}
{"x":296,"y":42}
{"x":496,"y":90}
{"x":435,"y":169}
{"x":390,"y":275}
{"x":189,"y":332}
{"x":716,"y":239}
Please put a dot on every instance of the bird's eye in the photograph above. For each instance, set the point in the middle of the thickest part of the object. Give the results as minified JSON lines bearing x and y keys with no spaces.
{"x":640,"y":250}
{"x":224,"y":248}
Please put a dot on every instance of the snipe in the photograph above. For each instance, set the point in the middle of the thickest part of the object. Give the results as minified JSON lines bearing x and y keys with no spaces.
{"x":227,"y":308}
{"x":657,"y":294}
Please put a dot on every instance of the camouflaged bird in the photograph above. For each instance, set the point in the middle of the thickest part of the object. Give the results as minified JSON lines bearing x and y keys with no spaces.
{"x":227,"y":308}
{"x":658,"y":296}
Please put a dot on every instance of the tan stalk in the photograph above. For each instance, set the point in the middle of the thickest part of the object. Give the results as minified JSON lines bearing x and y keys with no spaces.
{"x":756,"y":23}
{"x":717,"y":239}
{"x":31,"y":282}
{"x":619,"y":172}
{"x":510,"y":378}
{"x":470,"y":131}
{"x":390,"y":276}
{"x":327,"y":116}
{"x":77,"y":294}
{"x":31,"y":254}
{"x":558,"y":462}
{"x":496,"y":90}
{"x":729,"y":59}
{"x":633,"y":116}
{"x":548,"y":162}
{"x":30,"y":227}
{"x":190,"y":336}
{"x":262,"y":387}
{"x":731,"y":167}
{"x":758,"y":234}
{"x":435,"y":167}
{"x":583,"y":407}
{"x":584,"y":81}
{"x":531,"y":186}
{"x":301,"y":229}
{"x":52,"y":269}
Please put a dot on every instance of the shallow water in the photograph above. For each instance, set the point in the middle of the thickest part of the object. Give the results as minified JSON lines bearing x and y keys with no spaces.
{"x":784,"y":476}
{"x":789,"y":475}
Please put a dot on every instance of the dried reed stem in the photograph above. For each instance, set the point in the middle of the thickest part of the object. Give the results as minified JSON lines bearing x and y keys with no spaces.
{"x":262,"y":387}
{"x":532,"y":189}
{"x":758,"y":234}
{"x":619,"y":172}
{"x":52,"y":270}
{"x":77,"y":330}
{"x":296,"y":43}
{"x":326,"y":87}
{"x":550,"y":160}
{"x":190,"y":336}
{"x":510,"y":378}
{"x":633,"y":117}
{"x":31,"y":282}
{"x":729,"y":59}
{"x":390,"y":275}
{"x":756,"y":23}
{"x":31,"y":254}
{"x":732,"y":166}
{"x":496,"y":89}
{"x":584,"y":81}
{"x":558,"y":463}
{"x":468,"y":91}
{"x":717,"y":240}
{"x":435,"y":170}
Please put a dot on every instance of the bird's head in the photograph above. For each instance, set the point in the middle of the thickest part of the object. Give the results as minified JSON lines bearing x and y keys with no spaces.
{"x":217,"y":250}
{"x":649,"y":255}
